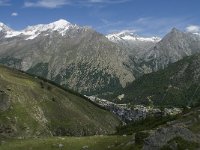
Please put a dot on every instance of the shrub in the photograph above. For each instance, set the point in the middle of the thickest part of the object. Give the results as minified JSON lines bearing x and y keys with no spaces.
{"x":140,"y":136}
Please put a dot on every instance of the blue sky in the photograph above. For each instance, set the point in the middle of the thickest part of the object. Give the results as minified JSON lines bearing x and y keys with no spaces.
{"x":145,"y":17}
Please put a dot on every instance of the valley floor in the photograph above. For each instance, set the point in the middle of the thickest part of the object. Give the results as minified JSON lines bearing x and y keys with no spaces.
{"x":71,"y":143}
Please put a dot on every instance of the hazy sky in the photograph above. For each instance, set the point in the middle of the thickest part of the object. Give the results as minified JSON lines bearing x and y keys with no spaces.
{"x":145,"y":17}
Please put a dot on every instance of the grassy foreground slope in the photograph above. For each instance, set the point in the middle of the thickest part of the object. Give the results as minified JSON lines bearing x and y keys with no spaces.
{"x":180,"y":132}
{"x":33,"y":107}
{"x":71,"y":143}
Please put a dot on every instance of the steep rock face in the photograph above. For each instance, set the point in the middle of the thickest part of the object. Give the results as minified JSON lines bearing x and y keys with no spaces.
{"x":173,"y":47}
{"x":182,"y":133}
{"x":163,"y":135}
{"x":73,"y":56}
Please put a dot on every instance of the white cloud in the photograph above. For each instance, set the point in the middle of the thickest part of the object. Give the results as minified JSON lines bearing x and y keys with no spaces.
{"x":193,"y":29}
{"x":14,"y":14}
{"x":95,"y":1}
{"x":107,"y":1}
{"x":4,"y":2}
{"x":60,"y":3}
{"x":46,"y":3}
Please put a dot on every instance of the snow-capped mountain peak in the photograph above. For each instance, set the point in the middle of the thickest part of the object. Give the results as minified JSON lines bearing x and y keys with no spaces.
{"x":127,"y":35}
{"x":4,"y":28}
{"x":1,"y":24}
{"x":31,"y":32}
{"x":60,"y":24}
{"x":55,"y":26}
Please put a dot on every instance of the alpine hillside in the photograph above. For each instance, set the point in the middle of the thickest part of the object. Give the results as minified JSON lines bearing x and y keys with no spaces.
{"x":33,"y":107}
{"x":177,"y":85}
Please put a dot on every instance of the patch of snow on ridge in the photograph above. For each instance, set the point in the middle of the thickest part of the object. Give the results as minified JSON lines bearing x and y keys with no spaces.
{"x":32,"y":37}
{"x":10,"y":34}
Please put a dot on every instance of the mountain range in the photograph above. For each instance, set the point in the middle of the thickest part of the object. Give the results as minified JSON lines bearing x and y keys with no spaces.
{"x":36,"y":103}
{"x":73,"y":56}
{"x":156,"y":53}
{"x":173,"y":79}
{"x":89,"y":62}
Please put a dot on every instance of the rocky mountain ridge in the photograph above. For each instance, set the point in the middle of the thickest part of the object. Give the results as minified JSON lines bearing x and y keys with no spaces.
{"x":73,"y":56}
{"x":173,"y":47}
{"x":87,"y":61}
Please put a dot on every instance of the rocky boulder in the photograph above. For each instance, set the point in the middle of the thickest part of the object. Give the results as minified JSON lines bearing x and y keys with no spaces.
{"x":4,"y":101}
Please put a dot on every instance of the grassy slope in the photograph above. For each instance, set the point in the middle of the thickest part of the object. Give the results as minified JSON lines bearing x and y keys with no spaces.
{"x":71,"y":143}
{"x":142,"y":125}
{"x":38,"y":108}
{"x":189,"y":119}
{"x":176,"y":85}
